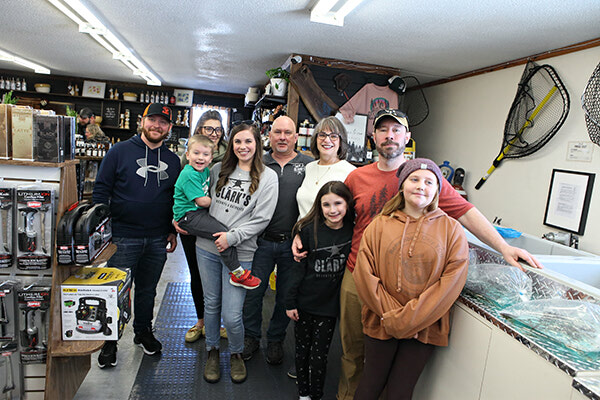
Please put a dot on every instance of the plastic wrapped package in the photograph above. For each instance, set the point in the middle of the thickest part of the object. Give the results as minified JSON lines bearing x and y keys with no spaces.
{"x":501,"y":284}
{"x":573,"y":323}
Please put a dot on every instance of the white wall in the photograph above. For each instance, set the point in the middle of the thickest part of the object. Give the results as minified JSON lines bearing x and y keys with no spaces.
{"x":466,"y":124}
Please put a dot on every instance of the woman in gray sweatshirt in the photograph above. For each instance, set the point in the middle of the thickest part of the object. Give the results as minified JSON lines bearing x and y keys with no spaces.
{"x":244,"y":195}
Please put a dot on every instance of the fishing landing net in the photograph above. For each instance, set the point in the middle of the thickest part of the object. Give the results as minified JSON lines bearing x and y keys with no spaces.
{"x":539,"y":109}
{"x":590,"y":102}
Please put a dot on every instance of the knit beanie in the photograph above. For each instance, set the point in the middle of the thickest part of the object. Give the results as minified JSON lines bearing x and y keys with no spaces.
{"x":411,"y":166}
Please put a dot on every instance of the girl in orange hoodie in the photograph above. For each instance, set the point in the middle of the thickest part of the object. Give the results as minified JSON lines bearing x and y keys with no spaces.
{"x":411,"y":267}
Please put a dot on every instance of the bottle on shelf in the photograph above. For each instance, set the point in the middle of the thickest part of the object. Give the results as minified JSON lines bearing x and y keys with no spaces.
{"x":147,"y":96}
{"x":13,"y":85}
{"x":24,"y":85}
{"x":7,"y":83}
{"x":18,"y":84}
{"x":1,"y":82}
{"x":111,"y":94}
{"x":116,"y":94}
{"x":142,"y":98}
{"x":76,"y":90}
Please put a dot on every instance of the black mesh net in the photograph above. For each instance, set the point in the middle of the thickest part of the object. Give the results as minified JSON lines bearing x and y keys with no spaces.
{"x":537,"y":113}
{"x":590,"y":102}
{"x":413,"y":102}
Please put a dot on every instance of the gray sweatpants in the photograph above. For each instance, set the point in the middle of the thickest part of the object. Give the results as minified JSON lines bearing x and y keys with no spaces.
{"x":201,"y":223}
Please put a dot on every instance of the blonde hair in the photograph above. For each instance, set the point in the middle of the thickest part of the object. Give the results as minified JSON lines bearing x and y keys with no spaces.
{"x":398,"y":203}
{"x":201,"y":140}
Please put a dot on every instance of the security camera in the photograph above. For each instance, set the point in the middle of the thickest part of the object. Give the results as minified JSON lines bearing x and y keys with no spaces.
{"x":296,"y":60}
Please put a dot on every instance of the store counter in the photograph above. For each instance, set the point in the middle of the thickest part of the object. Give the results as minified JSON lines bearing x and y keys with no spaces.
{"x":492,"y":357}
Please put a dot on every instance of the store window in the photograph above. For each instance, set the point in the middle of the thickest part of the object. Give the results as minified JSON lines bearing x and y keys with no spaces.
{"x":199,"y":109}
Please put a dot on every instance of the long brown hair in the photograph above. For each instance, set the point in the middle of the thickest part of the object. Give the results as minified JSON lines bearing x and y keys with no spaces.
{"x":315,"y":215}
{"x":230,"y":160}
{"x":207,"y":116}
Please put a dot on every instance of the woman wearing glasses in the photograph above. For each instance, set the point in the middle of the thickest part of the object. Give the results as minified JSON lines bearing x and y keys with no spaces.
{"x":210,"y":124}
{"x":244,"y":195}
{"x":329,"y":145}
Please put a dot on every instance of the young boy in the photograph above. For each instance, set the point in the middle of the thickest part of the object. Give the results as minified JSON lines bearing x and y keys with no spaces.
{"x":191,"y":202}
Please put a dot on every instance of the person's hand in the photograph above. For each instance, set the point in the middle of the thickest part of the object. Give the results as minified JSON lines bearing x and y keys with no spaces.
{"x":296,"y":246}
{"x":513,"y":254}
{"x":221,"y":241}
{"x":293,"y":314}
{"x":171,"y":242}
{"x":178,"y":229}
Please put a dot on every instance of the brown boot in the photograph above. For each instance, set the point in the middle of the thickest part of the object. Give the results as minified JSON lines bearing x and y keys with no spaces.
{"x":238,"y":369}
{"x":212,"y":372}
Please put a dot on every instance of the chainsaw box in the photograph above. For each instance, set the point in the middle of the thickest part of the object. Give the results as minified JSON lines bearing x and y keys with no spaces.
{"x":96,"y":303}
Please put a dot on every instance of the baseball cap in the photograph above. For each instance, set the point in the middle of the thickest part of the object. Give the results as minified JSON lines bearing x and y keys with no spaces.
{"x":86,"y":112}
{"x":411,"y":166}
{"x":395,"y":114}
{"x":158,"y":109}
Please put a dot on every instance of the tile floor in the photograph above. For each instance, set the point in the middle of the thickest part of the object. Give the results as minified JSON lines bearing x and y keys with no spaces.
{"x":116,"y":383}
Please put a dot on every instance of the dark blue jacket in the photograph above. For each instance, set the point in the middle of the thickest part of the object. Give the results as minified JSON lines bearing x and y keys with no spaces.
{"x":138,"y":184}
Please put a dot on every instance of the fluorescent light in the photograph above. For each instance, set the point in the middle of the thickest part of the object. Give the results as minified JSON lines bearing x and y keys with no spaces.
{"x":88,"y":23}
{"x":322,"y":11}
{"x":6,"y":56}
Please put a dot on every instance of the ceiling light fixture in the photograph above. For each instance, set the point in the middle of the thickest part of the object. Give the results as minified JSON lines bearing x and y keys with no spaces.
{"x":323,"y":11}
{"x":6,"y":56}
{"x":89,"y":24}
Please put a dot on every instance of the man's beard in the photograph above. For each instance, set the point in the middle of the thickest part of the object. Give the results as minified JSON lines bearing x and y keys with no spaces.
{"x":390,"y":154}
{"x":152,"y":139}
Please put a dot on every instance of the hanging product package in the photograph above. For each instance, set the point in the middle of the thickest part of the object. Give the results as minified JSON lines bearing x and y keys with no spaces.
{"x":10,"y":372}
{"x":501,"y":284}
{"x":573,"y":323}
{"x":7,"y":205}
{"x":35,"y":222}
{"x":34,"y":315}
{"x":8,"y":312}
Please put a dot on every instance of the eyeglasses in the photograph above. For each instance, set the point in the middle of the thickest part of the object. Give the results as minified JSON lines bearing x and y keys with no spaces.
{"x":209,"y":130}
{"x":334,"y":137}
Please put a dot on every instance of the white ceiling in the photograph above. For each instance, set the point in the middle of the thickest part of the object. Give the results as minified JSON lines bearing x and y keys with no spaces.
{"x":227,"y":45}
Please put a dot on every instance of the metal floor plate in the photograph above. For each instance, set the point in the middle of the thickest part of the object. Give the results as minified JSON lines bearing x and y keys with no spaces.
{"x":177,"y":372}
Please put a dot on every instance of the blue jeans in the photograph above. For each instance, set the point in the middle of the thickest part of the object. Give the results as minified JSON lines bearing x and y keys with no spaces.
{"x":221,"y":300}
{"x":266,"y":256}
{"x":145,"y":257}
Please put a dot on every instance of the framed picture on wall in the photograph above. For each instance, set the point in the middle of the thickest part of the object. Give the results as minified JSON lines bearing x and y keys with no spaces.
{"x":93,"y":89}
{"x":111,"y":111}
{"x":357,"y":135}
{"x":183,"y":97}
{"x":569,"y":200}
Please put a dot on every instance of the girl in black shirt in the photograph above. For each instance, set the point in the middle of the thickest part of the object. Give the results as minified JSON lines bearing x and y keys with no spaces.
{"x":313,"y":301}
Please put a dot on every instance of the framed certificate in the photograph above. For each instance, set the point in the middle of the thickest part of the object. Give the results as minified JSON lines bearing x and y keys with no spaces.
{"x":569,"y":199}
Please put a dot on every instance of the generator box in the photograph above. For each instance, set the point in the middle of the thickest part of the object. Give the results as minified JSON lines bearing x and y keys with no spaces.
{"x":96,"y":303}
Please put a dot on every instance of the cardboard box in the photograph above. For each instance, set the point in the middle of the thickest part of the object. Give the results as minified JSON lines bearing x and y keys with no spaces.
{"x":5,"y":131}
{"x":22,"y":133}
{"x":96,"y":304}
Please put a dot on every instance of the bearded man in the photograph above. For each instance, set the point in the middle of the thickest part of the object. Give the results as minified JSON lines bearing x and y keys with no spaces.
{"x":137,"y":179}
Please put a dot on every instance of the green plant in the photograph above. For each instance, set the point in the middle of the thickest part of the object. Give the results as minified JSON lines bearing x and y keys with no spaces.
{"x":70,"y":112}
{"x":8,"y":98}
{"x":278,"y":73}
